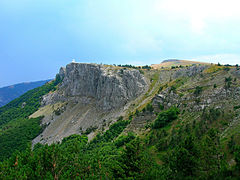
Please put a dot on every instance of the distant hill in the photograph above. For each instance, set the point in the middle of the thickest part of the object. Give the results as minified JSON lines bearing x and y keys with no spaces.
{"x":9,"y":93}
{"x":176,"y":62}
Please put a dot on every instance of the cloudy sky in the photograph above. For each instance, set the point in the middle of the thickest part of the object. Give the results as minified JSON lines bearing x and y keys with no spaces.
{"x":37,"y":37}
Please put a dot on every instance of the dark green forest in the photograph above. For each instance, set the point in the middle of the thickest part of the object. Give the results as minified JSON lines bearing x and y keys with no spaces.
{"x":109,"y":156}
{"x":16,"y":129}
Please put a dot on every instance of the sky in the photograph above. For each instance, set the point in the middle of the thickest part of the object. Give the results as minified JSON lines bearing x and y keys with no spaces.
{"x":38,"y":37}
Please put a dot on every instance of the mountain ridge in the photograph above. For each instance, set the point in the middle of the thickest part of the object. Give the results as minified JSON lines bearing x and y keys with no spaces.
{"x":169,"y":123}
{"x":9,"y":93}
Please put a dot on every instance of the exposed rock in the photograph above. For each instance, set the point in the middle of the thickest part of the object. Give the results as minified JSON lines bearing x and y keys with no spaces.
{"x":89,"y":95}
{"x":111,"y":88}
{"x":190,"y":71}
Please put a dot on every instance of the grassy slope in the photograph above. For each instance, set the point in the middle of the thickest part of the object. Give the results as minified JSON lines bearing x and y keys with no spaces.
{"x":177,"y":63}
{"x":228,"y":124}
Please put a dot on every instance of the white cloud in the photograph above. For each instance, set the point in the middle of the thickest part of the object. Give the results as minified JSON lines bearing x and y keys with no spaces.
{"x":198,"y":13}
{"x":221,"y":58}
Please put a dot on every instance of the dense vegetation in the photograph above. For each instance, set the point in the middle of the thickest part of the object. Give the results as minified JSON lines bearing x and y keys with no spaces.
{"x":110,"y":156}
{"x":16,"y":129}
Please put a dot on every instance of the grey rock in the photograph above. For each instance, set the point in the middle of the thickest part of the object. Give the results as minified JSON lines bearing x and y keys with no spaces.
{"x":111,"y":88}
{"x":91,"y":95}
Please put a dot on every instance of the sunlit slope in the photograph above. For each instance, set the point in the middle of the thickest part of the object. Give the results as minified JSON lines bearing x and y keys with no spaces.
{"x":175,"y":62}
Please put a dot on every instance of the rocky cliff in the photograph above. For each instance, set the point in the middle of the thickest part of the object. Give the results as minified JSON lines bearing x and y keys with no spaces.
{"x":111,"y":88}
{"x":90,"y":96}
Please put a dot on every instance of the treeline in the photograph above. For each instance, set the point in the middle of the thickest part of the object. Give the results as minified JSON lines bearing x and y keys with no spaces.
{"x":134,"y":67}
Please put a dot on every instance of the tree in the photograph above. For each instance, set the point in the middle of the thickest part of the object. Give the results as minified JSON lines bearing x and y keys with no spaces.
{"x":228,"y":82}
{"x":211,"y":157}
{"x":166,"y":117}
{"x":237,"y":157}
{"x":183,"y":160}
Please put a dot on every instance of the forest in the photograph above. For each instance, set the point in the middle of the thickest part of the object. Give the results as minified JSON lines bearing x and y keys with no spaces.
{"x":110,"y":156}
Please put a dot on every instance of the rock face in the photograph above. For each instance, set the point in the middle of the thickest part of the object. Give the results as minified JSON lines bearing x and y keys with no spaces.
{"x":90,"y":95}
{"x":111,"y":88}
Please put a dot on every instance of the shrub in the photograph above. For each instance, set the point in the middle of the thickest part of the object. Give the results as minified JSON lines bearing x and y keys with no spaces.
{"x":173,"y":88}
{"x":166,"y":117}
{"x":198,"y":90}
{"x":89,"y":130}
{"x":228,"y":82}
{"x":149,"y":107}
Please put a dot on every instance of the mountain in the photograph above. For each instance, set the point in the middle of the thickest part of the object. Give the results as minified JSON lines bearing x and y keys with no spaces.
{"x":109,"y":122}
{"x":175,"y":62}
{"x":9,"y":93}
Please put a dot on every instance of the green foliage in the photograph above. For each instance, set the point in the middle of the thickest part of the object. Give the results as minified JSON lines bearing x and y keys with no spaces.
{"x":141,"y":71}
{"x":211,"y":115}
{"x":18,"y":135}
{"x":197,"y":158}
{"x":32,"y":98}
{"x":146,"y":67}
{"x":113,"y":132}
{"x":161,"y":107}
{"x":162,"y":145}
{"x":198,"y":90}
{"x":124,"y":139}
{"x":231,"y":144}
{"x":237,"y":107}
{"x":165,"y":117}
{"x":149,"y":107}
{"x":58,"y":80}
{"x":228,"y":82}
{"x":183,"y":160}
{"x":173,"y":89}
{"x":16,"y":129}
{"x":89,"y":130}
{"x":137,"y":112}
{"x":226,"y":68}
{"x":237,"y":157}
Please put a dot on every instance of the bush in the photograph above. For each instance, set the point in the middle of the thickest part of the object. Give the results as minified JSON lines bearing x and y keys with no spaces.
{"x":166,"y":117}
{"x":198,"y":90}
{"x":89,"y":130}
{"x":149,"y":107}
{"x":122,"y":140}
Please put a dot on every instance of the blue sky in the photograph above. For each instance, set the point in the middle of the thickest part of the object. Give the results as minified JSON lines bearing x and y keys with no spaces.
{"x":38,"y":37}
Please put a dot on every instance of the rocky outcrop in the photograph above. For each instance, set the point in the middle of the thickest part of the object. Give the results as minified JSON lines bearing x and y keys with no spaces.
{"x":90,"y":95}
{"x":189,"y":71}
{"x":110,"y":87}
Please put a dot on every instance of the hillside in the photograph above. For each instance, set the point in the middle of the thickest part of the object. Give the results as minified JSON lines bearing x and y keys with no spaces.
{"x":9,"y":93}
{"x":108,"y":122}
{"x":175,"y":62}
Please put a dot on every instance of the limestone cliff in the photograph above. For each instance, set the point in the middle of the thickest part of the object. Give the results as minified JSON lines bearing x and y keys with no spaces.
{"x":90,"y":95}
